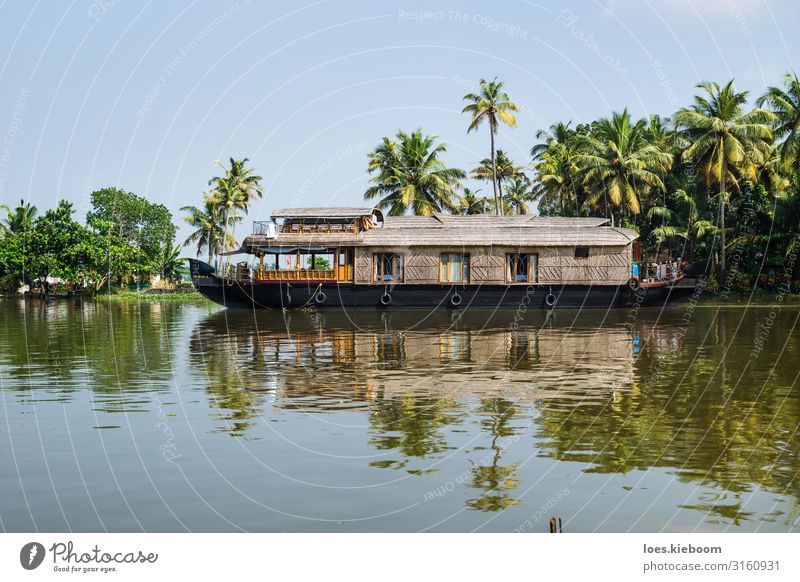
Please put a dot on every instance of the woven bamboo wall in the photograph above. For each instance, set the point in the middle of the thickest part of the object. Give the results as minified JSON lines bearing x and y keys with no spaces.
{"x":557,"y":265}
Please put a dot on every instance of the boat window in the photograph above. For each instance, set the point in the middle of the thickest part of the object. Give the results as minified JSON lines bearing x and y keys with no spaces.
{"x":388,"y":267}
{"x":454,"y":268}
{"x":522,"y":268}
{"x":581,"y":252}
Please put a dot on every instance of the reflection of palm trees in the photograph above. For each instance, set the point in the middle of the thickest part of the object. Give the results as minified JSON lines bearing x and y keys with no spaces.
{"x":596,"y":403}
{"x":232,"y":384}
{"x":495,"y":480}
{"x":412,"y":424}
{"x":730,"y":436}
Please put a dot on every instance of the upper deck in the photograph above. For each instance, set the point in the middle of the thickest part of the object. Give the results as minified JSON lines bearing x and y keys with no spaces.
{"x":367,"y":227}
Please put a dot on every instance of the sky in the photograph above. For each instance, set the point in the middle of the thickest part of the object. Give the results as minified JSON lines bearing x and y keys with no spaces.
{"x":145,"y":96}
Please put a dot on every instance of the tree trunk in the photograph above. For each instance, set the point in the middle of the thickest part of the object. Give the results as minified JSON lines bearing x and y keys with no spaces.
{"x":224,"y":237}
{"x":722,"y":185}
{"x":494,"y":173}
{"x":500,"y":196}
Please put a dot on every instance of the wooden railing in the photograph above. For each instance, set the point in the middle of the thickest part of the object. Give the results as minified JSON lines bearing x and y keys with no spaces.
{"x":321,"y":227}
{"x":294,"y":275}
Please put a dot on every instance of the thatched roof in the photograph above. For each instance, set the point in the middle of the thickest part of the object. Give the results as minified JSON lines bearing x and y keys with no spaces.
{"x":445,"y":230}
{"x":323,"y":213}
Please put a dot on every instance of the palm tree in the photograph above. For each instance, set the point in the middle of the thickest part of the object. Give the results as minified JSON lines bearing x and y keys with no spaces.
{"x":727,"y":144}
{"x":620,"y":167}
{"x":493,"y":105}
{"x":471,"y":203}
{"x":20,"y":218}
{"x":502,"y":170}
{"x":559,"y":135}
{"x":518,"y":194}
{"x":233,"y":192}
{"x":557,"y":182}
{"x":785,"y":104}
{"x":408,"y":175}
{"x":209,"y":230}
{"x":171,"y":267}
{"x":691,"y":221}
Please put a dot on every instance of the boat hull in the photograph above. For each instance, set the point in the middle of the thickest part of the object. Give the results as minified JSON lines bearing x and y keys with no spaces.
{"x":327,"y":295}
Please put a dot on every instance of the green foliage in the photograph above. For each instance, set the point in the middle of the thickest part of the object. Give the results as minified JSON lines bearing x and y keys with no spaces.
{"x":126,"y":238}
{"x":408,"y":175}
{"x":320,"y":264}
{"x":132,"y":234}
{"x":493,"y":106}
{"x":232,"y":193}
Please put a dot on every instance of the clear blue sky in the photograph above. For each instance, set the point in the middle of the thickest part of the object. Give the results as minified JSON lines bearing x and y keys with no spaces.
{"x":146,"y":95}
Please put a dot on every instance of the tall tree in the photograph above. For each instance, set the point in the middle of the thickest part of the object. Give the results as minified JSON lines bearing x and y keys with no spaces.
{"x":140,"y":230}
{"x":727,"y":143}
{"x":557,"y":184}
{"x":518,"y":195}
{"x":209,"y":230}
{"x":492,"y":105}
{"x":502,"y":170}
{"x":408,"y":175}
{"x":784,"y":102}
{"x":619,"y":166}
{"x":233,"y":192}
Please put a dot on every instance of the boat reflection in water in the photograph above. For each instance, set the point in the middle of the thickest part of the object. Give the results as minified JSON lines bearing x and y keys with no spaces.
{"x":595,"y":391}
{"x":203,"y":419}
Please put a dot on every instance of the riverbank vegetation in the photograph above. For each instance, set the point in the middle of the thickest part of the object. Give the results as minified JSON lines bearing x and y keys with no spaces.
{"x":125,"y":240}
{"x":717,"y":181}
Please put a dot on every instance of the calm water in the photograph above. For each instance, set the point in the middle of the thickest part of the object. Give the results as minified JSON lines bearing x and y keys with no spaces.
{"x":160,"y":417}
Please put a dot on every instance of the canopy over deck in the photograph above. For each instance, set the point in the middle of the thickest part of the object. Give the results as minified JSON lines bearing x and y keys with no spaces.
{"x":338,"y":213}
{"x":444,"y":230}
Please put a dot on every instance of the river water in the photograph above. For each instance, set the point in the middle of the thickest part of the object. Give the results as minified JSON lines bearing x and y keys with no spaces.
{"x":171,"y":417}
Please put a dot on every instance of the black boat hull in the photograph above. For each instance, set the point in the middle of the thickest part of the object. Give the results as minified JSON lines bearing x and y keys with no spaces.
{"x":326,"y":295}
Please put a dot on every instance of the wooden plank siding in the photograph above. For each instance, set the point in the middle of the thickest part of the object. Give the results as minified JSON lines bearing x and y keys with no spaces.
{"x":606,"y":265}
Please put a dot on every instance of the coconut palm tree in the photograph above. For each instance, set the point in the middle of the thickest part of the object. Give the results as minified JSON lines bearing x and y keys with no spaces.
{"x":558,"y":176}
{"x":209,"y":230}
{"x":20,"y":218}
{"x":691,"y":221}
{"x":492,"y":105}
{"x":558,"y":136}
{"x":407,"y":174}
{"x":727,"y":143}
{"x":471,"y":203}
{"x":502,"y":170}
{"x":233,"y":192}
{"x":785,"y":104}
{"x":619,"y":166}
{"x":518,"y":195}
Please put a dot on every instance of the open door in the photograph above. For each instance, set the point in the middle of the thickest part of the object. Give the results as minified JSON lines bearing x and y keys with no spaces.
{"x":345,"y":264}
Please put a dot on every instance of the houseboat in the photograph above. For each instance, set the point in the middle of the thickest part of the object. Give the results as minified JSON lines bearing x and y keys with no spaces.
{"x":357,"y":257}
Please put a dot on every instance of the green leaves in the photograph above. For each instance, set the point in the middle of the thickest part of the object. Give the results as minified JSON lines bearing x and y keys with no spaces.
{"x":409,"y":176}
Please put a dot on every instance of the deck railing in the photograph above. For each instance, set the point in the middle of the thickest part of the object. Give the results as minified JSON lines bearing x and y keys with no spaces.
{"x":317,"y":228}
{"x":294,"y":275}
